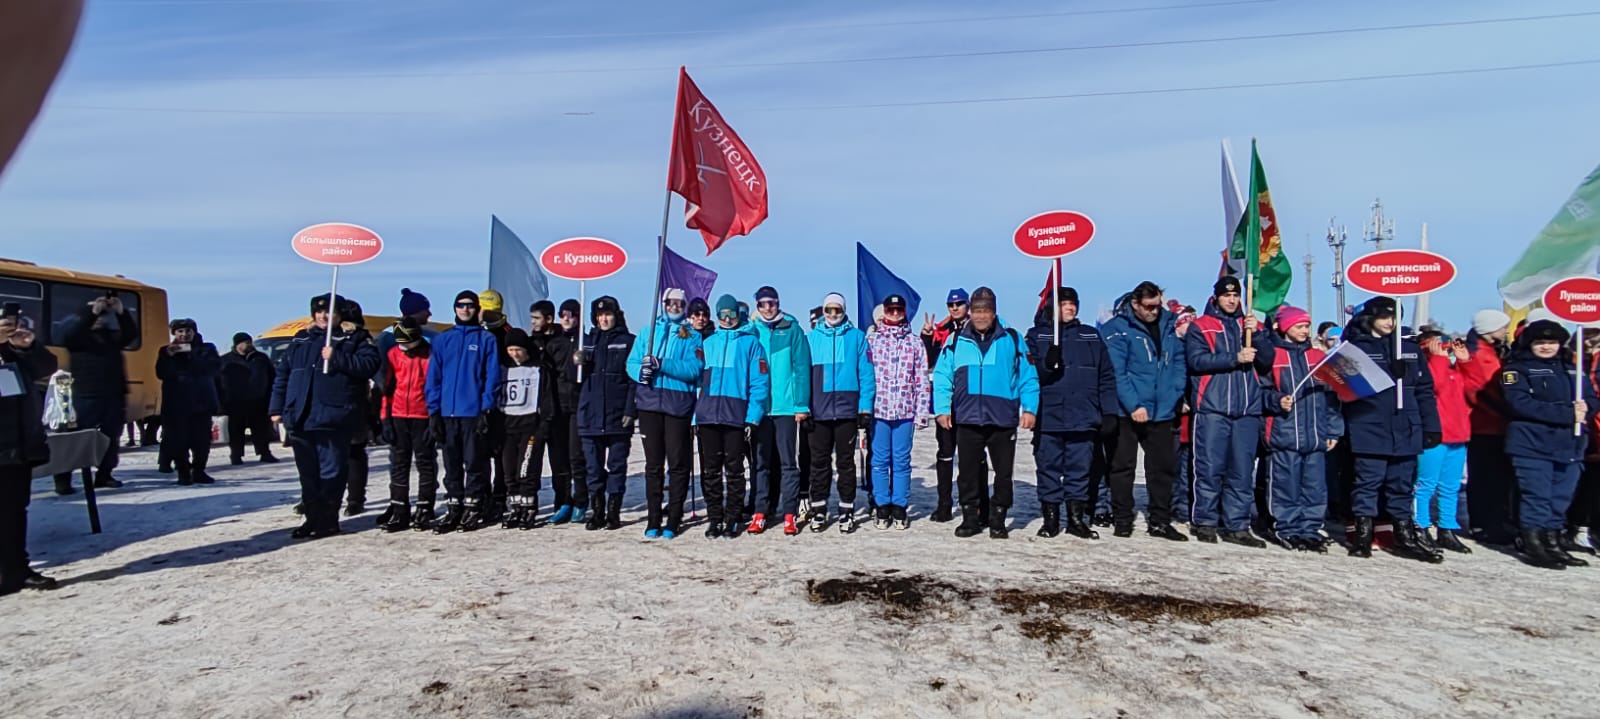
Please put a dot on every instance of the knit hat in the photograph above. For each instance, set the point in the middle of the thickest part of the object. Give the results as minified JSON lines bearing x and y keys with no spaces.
{"x":833,"y":298}
{"x":240,"y":337}
{"x":412,"y":303}
{"x":766,"y":293}
{"x":1227,"y":285}
{"x":958,"y":294}
{"x":1490,"y":321}
{"x":181,"y":323}
{"x":983,"y":298}
{"x":1379,"y":307}
{"x":673,"y":293}
{"x":727,"y":303}
{"x":543,"y":307}
{"x":1289,"y":316}
{"x":1545,"y":331}
{"x":1069,"y":294}
{"x":515,"y":337}
{"x":407,"y":330}
{"x":571,"y":305}
{"x":466,"y":295}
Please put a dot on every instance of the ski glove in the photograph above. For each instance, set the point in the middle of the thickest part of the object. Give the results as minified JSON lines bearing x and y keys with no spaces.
{"x":1431,"y":439}
{"x":627,"y":423}
{"x":388,"y":433}
{"x":647,"y":374}
{"x":436,"y":428}
{"x":1052,"y":359}
{"x":864,"y":421}
{"x":482,"y":426}
{"x":1108,"y":426}
{"x":807,"y":424}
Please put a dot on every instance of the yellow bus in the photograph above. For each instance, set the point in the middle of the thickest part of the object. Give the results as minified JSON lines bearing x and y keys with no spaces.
{"x":271,"y":342}
{"x":49,"y":296}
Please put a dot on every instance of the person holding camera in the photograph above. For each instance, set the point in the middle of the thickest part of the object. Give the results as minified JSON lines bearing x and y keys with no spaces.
{"x":188,"y":371}
{"x":94,"y":338}
{"x":22,"y":445}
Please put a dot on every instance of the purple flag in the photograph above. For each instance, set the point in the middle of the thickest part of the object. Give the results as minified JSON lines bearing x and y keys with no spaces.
{"x":679,"y":273}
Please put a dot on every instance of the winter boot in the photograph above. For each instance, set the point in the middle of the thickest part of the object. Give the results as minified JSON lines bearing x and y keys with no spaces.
{"x":1552,"y":547}
{"x":1532,"y":545}
{"x":970,"y":526}
{"x":351,"y":509}
{"x":1122,"y":530}
{"x":881,"y":521}
{"x":901,"y":521}
{"x":614,"y":512}
{"x":104,"y":480}
{"x":1448,"y":540}
{"x":997,"y":523}
{"x":790,"y":527}
{"x":422,"y":520}
{"x":847,"y":518}
{"x":472,"y":518}
{"x":563,"y":515}
{"x":307,"y":530}
{"x":397,"y":518}
{"x":1206,"y":535}
{"x":513,"y":519}
{"x":943,"y":513}
{"x":200,"y":476}
{"x":1102,"y":519}
{"x":597,"y":513}
{"x":494,"y":511}
{"x":1426,"y":541}
{"x":1078,"y":521}
{"x":714,"y":529}
{"x":451,"y":521}
{"x":1361,"y":544}
{"x":185,"y":476}
{"x":1408,"y":543}
{"x":1569,"y":542}
{"x":1052,"y":519}
{"x":1167,"y":532}
{"x":64,"y":486}
{"x":1244,"y":539}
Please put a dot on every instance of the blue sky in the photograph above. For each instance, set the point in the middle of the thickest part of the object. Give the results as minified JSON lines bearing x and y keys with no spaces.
{"x":188,"y":139}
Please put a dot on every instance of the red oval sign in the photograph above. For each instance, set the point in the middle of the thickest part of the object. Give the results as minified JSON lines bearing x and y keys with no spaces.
{"x":337,"y":243}
{"x":583,"y":258}
{"x":1050,"y":235}
{"x":1575,"y":299}
{"x":1401,"y":273}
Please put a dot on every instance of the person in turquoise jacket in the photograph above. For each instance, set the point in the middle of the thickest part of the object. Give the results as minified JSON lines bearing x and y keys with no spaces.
{"x":842,"y":391}
{"x":985,"y":387}
{"x":776,"y":478}
{"x":732,"y":403}
{"x":667,"y":365}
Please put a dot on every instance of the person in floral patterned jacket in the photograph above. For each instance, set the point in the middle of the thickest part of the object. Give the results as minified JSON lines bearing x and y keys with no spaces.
{"x":900,"y":368}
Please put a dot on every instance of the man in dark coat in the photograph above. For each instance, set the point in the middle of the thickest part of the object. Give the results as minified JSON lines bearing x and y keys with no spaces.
{"x":247,"y":377}
{"x":94,"y":338}
{"x":188,"y":370}
{"x":316,"y":406}
{"x":606,"y":411}
{"x":22,"y":446}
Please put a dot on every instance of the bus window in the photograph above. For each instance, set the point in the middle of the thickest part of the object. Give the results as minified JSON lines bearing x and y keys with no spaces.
{"x":29,"y":294}
{"x":66,"y":300}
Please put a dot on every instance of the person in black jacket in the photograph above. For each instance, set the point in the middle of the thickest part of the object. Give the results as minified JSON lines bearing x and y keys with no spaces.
{"x":246,"y":388}
{"x":94,"y":339}
{"x":1540,"y":384}
{"x":555,"y":340}
{"x":1387,"y":434}
{"x":606,"y":411}
{"x":188,"y":370}
{"x":366,"y":403}
{"x":317,"y":407}
{"x":22,"y":446}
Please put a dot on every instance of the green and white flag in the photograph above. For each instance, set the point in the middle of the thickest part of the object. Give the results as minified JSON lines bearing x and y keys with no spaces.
{"x":1569,"y":245}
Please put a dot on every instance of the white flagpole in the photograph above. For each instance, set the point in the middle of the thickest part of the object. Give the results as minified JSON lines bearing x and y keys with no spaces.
{"x":333,"y":317}
{"x":1577,"y":381}
{"x":1399,"y":394}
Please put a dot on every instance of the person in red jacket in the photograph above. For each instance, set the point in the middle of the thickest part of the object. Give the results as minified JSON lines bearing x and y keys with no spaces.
{"x":405,"y":430}
{"x":1490,"y":486}
{"x":1440,"y":467}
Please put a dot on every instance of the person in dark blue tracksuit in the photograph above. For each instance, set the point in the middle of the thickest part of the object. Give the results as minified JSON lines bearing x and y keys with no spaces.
{"x":1538,"y":382}
{"x":606,"y":411}
{"x":318,"y":410}
{"x":1385,"y":438}
{"x":1303,"y":424}
{"x":1225,"y":379}
{"x":667,"y":371}
{"x":842,"y":390}
{"x":733,"y":397}
{"x":463,"y":372}
{"x":984,"y":387}
{"x":1147,"y":355}
{"x":1077,"y":399}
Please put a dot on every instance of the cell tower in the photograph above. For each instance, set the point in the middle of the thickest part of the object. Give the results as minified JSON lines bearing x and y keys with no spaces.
{"x":1336,"y":241}
{"x":1378,"y":230}
{"x":1310,"y":262}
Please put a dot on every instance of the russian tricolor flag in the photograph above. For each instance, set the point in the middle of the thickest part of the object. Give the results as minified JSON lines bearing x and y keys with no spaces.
{"x":1352,"y":374}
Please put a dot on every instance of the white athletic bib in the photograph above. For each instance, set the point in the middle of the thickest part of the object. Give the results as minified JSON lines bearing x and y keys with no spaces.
{"x":519,"y":391}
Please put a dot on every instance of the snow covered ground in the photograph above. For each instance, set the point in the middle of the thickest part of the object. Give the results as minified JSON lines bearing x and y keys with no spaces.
{"x":194,"y":603}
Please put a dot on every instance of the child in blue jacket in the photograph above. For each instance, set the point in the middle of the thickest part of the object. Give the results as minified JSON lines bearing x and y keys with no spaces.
{"x":733,"y":392}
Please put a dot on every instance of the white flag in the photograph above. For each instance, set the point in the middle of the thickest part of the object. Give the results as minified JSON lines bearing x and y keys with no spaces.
{"x":1232,"y":206}
{"x":514,"y":272}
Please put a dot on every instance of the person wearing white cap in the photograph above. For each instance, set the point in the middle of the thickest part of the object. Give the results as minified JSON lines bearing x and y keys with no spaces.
{"x":842,"y":389}
{"x":667,"y":368}
{"x":1490,"y":490}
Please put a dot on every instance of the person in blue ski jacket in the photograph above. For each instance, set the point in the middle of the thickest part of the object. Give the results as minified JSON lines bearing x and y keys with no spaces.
{"x":775,"y":480}
{"x":1388,"y":433}
{"x":1225,"y":390}
{"x":606,"y":411}
{"x":732,"y":402}
{"x":842,"y":391}
{"x":667,"y":369}
{"x":984,"y":387}
{"x":1303,"y":424}
{"x":1148,"y":357}
{"x":463,"y":371}
{"x":318,"y":410}
{"x":1077,"y":402}
{"x":1540,"y":386}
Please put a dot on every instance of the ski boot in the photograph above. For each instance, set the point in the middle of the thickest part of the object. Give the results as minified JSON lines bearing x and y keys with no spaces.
{"x":847,"y":518}
{"x":451,"y":521}
{"x":882,"y":520}
{"x":396,"y":519}
{"x":422,"y":519}
{"x":901,"y":521}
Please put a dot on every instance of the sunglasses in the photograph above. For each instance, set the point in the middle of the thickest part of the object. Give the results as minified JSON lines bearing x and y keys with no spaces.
{"x":674,"y":303}
{"x":701,"y":313}
{"x":767,"y":303}
{"x":832,"y":311}
{"x":894,"y":310}
{"x":728,"y":314}
{"x":466,"y":304}
{"x":954,"y":305}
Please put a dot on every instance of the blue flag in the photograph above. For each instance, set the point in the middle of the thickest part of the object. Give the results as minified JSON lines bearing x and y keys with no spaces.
{"x":679,"y":273}
{"x":875,"y":282}
{"x":514,"y":272}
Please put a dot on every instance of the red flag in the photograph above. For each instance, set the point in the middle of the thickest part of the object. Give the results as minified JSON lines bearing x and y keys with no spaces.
{"x":713,"y":170}
{"x":1051,"y":280}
